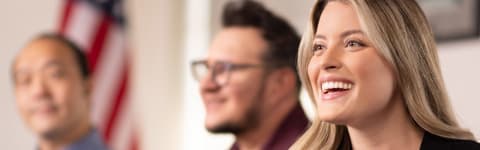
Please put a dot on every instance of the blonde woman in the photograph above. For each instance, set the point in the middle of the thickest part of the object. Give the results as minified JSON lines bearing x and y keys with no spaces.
{"x":371,"y":68}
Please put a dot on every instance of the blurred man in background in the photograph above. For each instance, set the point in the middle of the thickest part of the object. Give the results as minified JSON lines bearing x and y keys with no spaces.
{"x":249,"y":82}
{"x":52,"y":88}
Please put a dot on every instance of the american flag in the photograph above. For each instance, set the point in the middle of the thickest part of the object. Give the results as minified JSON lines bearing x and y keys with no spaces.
{"x":98,"y":27}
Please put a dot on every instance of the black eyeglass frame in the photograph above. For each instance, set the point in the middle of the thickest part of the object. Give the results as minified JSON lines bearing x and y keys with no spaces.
{"x":227,"y":68}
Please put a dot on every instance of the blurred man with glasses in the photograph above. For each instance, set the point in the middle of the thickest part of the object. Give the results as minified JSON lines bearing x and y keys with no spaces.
{"x":249,"y":82}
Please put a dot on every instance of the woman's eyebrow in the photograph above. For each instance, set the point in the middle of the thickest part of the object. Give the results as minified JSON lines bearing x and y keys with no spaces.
{"x":342,"y":35}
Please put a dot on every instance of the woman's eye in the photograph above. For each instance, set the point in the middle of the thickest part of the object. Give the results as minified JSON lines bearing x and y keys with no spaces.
{"x":354,"y":44}
{"x":318,"y":47}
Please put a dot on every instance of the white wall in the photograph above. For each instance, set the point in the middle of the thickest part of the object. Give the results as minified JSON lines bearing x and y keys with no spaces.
{"x":460,"y":63}
{"x":166,"y":35}
{"x":157,"y":37}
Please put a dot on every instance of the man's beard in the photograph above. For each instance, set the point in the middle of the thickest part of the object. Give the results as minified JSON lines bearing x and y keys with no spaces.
{"x":250,"y":118}
{"x":53,"y":133}
{"x":61,"y":131}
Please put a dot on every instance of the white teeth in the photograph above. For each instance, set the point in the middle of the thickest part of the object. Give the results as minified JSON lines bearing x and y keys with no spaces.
{"x":335,"y":85}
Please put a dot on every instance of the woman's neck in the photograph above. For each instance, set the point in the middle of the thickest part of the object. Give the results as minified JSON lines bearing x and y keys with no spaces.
{"x":392,"y":129}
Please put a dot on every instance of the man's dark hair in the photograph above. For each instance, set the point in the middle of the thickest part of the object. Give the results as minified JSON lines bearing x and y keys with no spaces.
{"x":281,"y":37}
{"x":78,"y":53}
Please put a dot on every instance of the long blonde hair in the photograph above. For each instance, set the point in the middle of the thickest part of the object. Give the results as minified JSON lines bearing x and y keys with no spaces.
{"x":401,"y":33}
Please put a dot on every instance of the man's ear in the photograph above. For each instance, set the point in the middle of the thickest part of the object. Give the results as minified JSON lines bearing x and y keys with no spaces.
{"x":282,"y":82}
{"x":88,"y":88}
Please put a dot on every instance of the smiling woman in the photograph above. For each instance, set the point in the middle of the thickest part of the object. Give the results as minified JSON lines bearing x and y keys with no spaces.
{"x":372,"y":71}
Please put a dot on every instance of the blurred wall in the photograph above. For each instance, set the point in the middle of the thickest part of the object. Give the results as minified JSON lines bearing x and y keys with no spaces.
{"x":156,"y":31}
{"x":166,"y":35}
{"x":460,"y":63}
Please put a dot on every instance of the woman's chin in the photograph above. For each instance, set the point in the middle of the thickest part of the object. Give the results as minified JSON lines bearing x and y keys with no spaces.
{"x":332,"y":118}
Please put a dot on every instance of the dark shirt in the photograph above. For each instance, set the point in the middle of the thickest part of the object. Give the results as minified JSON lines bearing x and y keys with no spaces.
{"x":434,"y":142}
{"x":291,"y":128}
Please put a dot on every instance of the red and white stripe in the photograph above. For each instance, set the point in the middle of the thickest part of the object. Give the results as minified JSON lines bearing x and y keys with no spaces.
{"x":107,"y":52}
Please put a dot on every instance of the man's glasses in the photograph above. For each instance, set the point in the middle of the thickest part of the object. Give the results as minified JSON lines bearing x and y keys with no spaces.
{"x":220,"y":70}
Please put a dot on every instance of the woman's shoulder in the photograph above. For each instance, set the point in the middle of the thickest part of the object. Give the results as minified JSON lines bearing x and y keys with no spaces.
{"x":434,"y":142}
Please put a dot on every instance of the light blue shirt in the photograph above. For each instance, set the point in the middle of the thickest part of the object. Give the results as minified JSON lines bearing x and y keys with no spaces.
{"x":92,"y":141}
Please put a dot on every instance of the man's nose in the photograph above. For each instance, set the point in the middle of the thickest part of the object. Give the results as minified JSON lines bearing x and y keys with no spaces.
{"x":208,"y":83}
{"x":39,"y":89}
